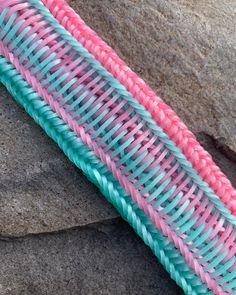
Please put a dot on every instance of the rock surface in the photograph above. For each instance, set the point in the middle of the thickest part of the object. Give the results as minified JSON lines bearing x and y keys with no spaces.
{"x":108,"y":259}
{"x":40,"y":190}
{"x":186,"y":50}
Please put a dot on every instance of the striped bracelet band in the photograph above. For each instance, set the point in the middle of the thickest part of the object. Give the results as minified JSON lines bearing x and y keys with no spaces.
{"x":124,"y":138}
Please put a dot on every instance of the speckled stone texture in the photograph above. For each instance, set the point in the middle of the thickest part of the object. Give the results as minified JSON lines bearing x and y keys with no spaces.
{"x":103,"y":259}
{"x":186,"y":50}
{"x":40,"y":189}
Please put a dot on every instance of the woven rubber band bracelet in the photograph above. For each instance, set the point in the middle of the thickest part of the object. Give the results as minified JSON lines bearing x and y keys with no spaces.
{"x":165,"y":117}
{"x":114,"y":138}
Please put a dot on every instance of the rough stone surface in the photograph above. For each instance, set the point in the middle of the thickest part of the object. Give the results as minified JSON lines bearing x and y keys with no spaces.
{"x":186,"y":50}
{"x":40,"y":190}
{"x":108,"y":259}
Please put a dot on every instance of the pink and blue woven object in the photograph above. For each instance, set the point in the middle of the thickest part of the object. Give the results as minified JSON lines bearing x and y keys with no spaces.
{"x":124,"y":138}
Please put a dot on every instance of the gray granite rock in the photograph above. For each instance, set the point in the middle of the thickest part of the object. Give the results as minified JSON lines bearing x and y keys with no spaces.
{"x":186,"y":50}
{"x":40,"y":190}
{"x":106,"y":259}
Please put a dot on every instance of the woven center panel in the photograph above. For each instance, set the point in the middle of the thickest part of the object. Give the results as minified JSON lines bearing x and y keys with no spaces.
{"x":122,"y":134}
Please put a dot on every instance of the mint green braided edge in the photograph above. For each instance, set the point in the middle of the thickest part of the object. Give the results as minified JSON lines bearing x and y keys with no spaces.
{"x":92,"y":167}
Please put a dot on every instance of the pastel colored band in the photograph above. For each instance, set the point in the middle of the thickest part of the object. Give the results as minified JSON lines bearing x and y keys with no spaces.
{"x":161,"y":113}
{"x":110,"y":134}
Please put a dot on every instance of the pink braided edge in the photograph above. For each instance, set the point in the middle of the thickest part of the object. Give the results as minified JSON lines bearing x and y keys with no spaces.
{"x":165,"y":117}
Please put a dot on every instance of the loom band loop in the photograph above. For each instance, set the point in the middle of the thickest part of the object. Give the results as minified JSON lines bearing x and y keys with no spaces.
{"x":97,"y":86}
{"x":219,"y":272}
{"x":232,"y":249}
{"x":62,"y":53}
{"x":199,"y":196}
{"x":218,"y":227}
{"x":195,"y":234}
{"x":15,"y":41}
{"x":173,"y":169}
{"x":28,"y":22}
{"x":208,"y":256}
{"x":14,"y":4}
{"x":129,"y":155}
{"x":180,"y":188}
{"x":66,"y":97}
{"x":121,"y":147}
{"x":29,"y":51}
{"x":171,"y":219}
{"x":185,"y":227}
{"x":163,"y":153}
{"x":84,"y":118}
{"x":146,"y":147}
{"x":45,"y":42}
{"x":91,"y":125}
{"x":138,"y":170}
{"x":28,"y":16}
{"x":74,"y":69}
{"x":157,"y":192}
{"x":43,"y":68}
{"x":184,"y":220}
{"x":35,"y":23}
{"x":6,"y":26}
{"x":77,"y":91}
{"x":169,"y":159}
{"x":132,"y":165}
{"x":106,"y":111}
{"x":171,"y":206}
{"x":102,"y":128}
{"x":36,"y":27}
{"x":51,"y":77}
{"x":207,"y":247}
{"x":63,"y":60}
{"x":178,"y":178}
{"x":189,"y":194}
{"x":159,"y":147}
{"x":231,"y":285}
{"x":80,"y":97}
{"x":162,"y":199}
{"x":147,"y":179}
{"x":54,"y":84}
{"x":148,"y":186}
{"x":23,"y":46}
{"x":217,"y":260}
{"x":114,"y":108}
{"x":227,"y":278}
{"x":113,"y":142}
{"x":92,"y":84}
{"x":126,"y":124}
{"x":204,"y":210}
{"x":108,"y":138}
{"x":12,"y":32}
{"x":141,"y":139}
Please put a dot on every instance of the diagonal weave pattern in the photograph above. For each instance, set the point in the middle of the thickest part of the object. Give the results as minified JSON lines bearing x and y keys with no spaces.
{"x":165,"y":117}
{"x":110,"y":135}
